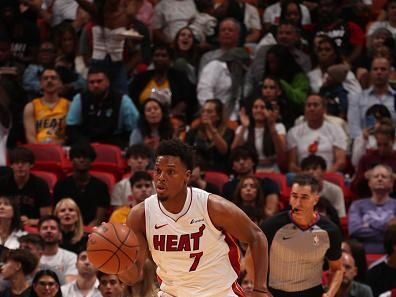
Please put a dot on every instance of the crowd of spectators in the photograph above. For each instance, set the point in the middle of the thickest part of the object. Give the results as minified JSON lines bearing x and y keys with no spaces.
{"x":262,"y":89}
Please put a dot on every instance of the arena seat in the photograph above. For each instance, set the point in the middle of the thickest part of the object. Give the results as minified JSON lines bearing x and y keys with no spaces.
{"x":108,"y":159}
{"x":281,"y":181}
{"x":217,"y":178}
{"x":49,"y":177}
{"x":106,"y":177}
{"x":338,"y":179}
{"x":50,"y":158}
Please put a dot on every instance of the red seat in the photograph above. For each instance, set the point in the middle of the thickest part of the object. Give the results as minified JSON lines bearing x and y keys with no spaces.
{"x":108,"y":159}
{"x":217,"y":178}
{"x":338,"y":179}
{"x":281,"y":181}
{"x":49,"y":177}
{"x":371,"y":258}
{"x":106,"y":177}
{"x":335,"y":178}
{"x":50,"y":158}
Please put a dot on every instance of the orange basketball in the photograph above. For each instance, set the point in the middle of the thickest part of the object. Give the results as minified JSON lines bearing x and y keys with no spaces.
{"x":112,"y":248}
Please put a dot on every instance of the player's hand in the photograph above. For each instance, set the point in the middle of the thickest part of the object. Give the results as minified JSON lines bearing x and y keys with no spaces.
{"x":131,"y":276}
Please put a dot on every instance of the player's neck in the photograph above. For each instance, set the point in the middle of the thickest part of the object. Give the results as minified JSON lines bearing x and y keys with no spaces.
{"x":175,"y":204}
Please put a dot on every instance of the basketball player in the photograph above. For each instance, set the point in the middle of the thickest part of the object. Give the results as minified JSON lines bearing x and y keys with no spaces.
{"x":300,"y":241}
{"x":191,"y":234}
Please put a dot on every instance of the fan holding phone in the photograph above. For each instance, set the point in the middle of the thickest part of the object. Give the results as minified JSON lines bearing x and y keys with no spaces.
{"x":377,"y":116}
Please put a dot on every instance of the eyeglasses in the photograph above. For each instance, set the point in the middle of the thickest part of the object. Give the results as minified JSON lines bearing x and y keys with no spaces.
{"x":46,"y":284}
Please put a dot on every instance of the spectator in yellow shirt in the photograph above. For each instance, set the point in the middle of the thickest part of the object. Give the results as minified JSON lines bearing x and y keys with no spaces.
{"x":141,"y":188}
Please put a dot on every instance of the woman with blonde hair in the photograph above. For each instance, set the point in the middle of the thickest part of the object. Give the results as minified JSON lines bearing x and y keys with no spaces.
{"x":72,"y":226}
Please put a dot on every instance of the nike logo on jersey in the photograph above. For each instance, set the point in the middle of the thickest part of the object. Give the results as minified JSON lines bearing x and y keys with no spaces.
{"x":159,"y":226}
{"x":286,"y":238}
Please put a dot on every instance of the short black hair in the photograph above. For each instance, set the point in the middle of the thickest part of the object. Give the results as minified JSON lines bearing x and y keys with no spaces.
{"x":379,"y":111}
{"x":138,"y":176}
{"x":49,"y":218}
{"x":100,"y":274}
{"x":50,"y":69}
{"x":82,"y":150}
{"x":163,"y":46}
{"x":244,"y":152}
{"x":97,"y":70}
{"x":177,"y":148}
{"x":21,"y":154}
{"x":34,"y":239}
{"x":390,"y":239}
{"x":313,"y":161}
{"x":304,"y":179}
{"x":26,"y":258}
{"x":138,"y":150}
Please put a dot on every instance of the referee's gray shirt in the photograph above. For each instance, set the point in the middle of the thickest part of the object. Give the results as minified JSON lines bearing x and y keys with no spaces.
{"x":297,"y":255}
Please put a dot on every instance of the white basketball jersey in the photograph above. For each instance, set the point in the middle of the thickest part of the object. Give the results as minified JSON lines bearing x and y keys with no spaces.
{"x":194,"y":258}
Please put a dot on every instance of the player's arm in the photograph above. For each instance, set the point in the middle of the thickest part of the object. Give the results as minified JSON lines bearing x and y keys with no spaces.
{"x":228,"y":217}
{"x":29,"y":123}
{"x":336,"y":275}
{"x":137,"y":222}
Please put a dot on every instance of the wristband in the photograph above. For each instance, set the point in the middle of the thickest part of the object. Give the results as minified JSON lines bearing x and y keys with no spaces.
{"x":260,"y":290}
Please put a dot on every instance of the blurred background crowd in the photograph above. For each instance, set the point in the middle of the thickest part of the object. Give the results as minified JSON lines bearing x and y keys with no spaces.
{"x":262,"y":89}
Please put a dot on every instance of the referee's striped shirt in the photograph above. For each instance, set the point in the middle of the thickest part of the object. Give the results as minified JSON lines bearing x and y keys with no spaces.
{"x":296,"y":256}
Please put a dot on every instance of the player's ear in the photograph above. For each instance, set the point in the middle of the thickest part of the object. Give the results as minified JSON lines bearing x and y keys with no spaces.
{"x":188,"y":176}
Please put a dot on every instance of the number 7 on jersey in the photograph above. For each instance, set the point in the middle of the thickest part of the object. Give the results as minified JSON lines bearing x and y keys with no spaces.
{"x":197,"y":257}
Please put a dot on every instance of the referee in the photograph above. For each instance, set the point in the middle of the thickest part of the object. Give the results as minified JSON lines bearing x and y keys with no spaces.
{"x":300,"y":241}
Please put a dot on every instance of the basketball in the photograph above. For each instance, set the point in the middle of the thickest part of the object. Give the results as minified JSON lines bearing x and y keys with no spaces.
{"x":112,"y":248}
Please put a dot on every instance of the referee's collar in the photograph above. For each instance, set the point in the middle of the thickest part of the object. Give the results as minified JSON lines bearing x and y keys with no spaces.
{"x":304,"y":228}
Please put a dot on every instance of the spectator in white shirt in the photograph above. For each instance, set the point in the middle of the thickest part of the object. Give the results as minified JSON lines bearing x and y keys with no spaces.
{"x":61,"y":261}
{"x":380,"y":92}
{"x":317,"y":136}
{"x":86,"y":283}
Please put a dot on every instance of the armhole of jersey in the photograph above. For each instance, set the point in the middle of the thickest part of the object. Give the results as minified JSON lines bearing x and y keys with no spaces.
{"x":207,"y":216}
{"x":34,"y":107}
{"x":147,"y":222}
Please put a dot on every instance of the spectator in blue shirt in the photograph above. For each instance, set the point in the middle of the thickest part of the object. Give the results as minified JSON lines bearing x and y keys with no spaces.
{"x":100,"y":114}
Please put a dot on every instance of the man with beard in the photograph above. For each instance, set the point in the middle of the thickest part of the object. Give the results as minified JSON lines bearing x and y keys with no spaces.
{"x":61,"y":261}
{"x":44,"y":118}
{"x":86,"y":283}
{"x":100,"y":114}
{"x":90,"y":194}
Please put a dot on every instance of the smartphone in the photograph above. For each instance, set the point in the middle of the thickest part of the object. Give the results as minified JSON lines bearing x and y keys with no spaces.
{"x":370,"y":123}
{"x":268,"y":105}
